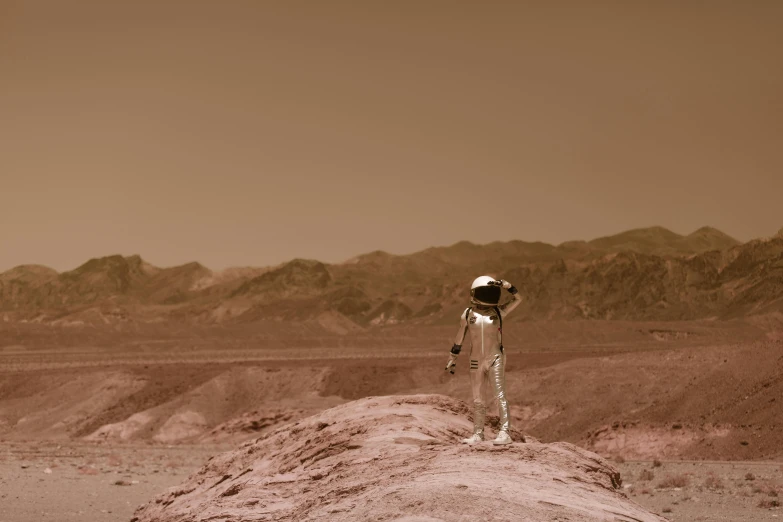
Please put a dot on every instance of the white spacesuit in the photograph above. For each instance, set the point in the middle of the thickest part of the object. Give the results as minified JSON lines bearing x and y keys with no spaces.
{"x":484,"y":321}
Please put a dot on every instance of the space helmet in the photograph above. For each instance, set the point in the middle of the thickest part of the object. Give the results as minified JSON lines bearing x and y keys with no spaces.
{"x":485,"y":291}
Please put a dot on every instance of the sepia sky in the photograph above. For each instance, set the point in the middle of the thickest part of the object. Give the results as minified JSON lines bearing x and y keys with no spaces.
{"x":253,"y":132}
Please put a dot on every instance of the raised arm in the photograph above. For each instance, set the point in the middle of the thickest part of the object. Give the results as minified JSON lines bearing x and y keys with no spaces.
{"x":515,"y":301}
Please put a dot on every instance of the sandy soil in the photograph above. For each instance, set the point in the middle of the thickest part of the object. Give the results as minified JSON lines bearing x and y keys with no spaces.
{"x":77,"y":482}
{"x":707,"y":491}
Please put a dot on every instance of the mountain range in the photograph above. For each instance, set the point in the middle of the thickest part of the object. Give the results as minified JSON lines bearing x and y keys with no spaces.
{"x":641,"y":274}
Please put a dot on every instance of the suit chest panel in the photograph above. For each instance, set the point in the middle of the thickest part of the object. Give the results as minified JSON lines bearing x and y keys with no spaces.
{"x":477,"y":320}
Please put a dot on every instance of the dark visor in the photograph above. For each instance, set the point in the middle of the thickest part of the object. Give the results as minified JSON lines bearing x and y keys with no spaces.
{"x":487,"y":294}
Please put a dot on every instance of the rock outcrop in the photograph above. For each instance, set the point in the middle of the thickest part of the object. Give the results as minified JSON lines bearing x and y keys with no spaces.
{"x":396,"y":458}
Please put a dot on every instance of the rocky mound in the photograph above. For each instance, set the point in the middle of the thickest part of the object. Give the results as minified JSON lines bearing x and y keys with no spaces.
{"x":396,"y":458}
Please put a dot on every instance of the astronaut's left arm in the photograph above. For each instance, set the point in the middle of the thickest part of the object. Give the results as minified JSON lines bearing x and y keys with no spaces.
{"x":515,"y":301}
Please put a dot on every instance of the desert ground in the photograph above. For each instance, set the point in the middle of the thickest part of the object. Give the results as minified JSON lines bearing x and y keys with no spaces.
{"x":686,"y":411}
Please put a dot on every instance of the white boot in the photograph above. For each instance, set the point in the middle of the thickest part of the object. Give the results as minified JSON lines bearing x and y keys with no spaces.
{"x":502,"y":439}
{"x":474,"y":439}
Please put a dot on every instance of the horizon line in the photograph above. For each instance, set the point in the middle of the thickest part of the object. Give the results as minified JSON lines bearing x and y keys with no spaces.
{"x":352,"y":258}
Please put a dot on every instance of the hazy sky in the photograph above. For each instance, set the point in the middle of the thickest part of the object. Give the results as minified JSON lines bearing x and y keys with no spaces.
{"x":249,"y":133}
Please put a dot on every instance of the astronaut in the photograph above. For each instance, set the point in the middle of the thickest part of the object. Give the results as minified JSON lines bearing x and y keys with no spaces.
{"x":484,"y":321}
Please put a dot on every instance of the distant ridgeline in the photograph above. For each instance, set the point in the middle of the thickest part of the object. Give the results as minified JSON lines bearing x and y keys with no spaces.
{"x":641,"y":274}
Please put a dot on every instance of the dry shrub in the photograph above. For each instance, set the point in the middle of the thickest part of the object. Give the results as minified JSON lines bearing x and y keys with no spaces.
{"x":646,"y":475}
{"x":771,"y":490}
{"x":657,"y":463}
{"x":767,"y":503}
{"x":713,"y":482}
{"x":750,"y":476}
{"x":619,"y":459}
{"x":667,"y":510}
{"x":674,"y":481}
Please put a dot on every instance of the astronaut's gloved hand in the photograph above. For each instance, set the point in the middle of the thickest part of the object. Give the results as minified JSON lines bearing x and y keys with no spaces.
{"x":452,"y":364}
{"x":505,"y":284}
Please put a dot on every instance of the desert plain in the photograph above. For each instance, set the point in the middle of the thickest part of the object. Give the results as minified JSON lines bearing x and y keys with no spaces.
{"x":651,"y":362}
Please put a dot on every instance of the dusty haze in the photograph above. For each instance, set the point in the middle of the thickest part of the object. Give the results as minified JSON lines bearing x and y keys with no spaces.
{"x":249,"y":133}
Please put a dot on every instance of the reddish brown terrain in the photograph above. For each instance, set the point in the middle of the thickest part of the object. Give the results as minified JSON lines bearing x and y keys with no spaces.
{"x":395,"y":458}
{"x":642,"y":346}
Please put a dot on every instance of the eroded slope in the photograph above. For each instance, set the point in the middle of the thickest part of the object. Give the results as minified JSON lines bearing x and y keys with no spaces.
{"x":396,"y":458}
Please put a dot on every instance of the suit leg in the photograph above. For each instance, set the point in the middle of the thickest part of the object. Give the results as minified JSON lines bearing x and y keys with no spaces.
{"x":479,"y":406}
{"x":497,"y":379}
